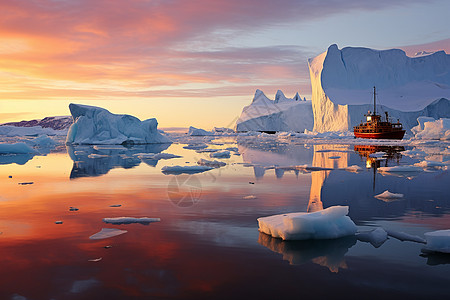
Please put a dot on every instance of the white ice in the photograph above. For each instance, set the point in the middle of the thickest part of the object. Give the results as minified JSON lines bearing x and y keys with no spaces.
{"x":107,"y":233}
{"x":430,"y":129}
{"x":401,"y":169}
{"x":402,"y":236}
{"x":211,"y":163}
{"x":199,"y":132}
{"x":157,"y":156}
{"x":329,"y":223}
{"x":95,"y":125}
{"x":10,"y":131}
{"x":430,"y":164}
{"x":388,"y":195}
{"x":130,"y":220}
{"x":438,"y":241}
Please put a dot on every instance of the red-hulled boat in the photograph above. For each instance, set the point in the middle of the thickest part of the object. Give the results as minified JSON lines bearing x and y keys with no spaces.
{"x":375,"y":128}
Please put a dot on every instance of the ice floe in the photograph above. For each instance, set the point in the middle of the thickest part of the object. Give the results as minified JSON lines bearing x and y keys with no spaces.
{"x":157,"y":156}
{"x":402,"y":236}
{"x":16,"y":148}
{"x":437,"y":241}
{"x":430,"y":164}
{"x":175,"y":170}
{"x":329,"y":223}
{"x":130,"y":220}
{"x":220,"y":154}
{"x":196,"y":146}
{"x":376,"y":237}
{"x":386,"y":195}
{"x":107,"y":233}
{"x":401,"y":169}
{"x":211,"y":163}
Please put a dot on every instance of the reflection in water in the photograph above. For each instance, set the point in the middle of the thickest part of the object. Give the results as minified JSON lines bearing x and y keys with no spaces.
{"x":98,"y":160}
{"x":19,"y":159}
{"x":325,"y":156}
{"x":392,"y":154}
{"x":327,"y":253}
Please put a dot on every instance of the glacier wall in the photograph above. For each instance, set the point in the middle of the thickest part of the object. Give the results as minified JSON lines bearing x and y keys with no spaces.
{"x":280,"y":114}
{"x":408,"y":87}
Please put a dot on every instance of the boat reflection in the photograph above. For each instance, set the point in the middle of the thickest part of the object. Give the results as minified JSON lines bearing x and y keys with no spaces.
{"x":393,"y":153}
{"x":99,"y":160}
{"x":327,"y":253}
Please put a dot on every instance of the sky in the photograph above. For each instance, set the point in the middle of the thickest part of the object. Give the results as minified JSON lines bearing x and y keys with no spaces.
{"x":186,"y":63}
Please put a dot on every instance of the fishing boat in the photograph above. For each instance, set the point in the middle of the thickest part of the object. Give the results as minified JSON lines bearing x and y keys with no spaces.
{"x":375,"y":128}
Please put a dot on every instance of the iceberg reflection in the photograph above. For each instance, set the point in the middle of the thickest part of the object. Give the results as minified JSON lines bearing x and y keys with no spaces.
{"x":327,"y":253}
{"x":99,"y":160}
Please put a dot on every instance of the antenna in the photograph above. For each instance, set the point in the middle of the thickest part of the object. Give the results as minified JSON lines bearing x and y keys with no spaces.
{"x":374,"y":101}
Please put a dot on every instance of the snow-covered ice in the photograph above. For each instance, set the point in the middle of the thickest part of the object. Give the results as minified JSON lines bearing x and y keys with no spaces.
{"x":386,"y":195}
{"x":95,"y":125}
{"x":438,"y":241}
{"x":107,"y":233}
{"x":430,"y":129}
{"x":329,"y":223}
{"x":175,"y":170}
{"x":211,"y":163}
{"x":402,"y":236}
{"x":376,"y":237}
{"x":130,"y":220}
{"x":342,"y":81}
{"x":281,"y":114}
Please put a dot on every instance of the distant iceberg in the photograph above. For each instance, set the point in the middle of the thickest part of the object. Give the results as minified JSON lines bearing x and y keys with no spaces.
{"x":407,"y":87}
{"x":431,"y":129}
{"x":281,"y":114}
{"x":94,"y":125}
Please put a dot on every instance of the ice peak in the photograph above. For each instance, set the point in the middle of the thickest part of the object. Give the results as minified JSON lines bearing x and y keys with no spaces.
{"x":280,"y":96}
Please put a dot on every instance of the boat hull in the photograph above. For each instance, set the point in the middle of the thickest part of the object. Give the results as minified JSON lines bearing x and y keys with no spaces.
{"x":393,"y":135}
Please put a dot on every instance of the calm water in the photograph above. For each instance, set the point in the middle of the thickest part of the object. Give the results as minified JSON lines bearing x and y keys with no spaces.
{"x":207,"y":245}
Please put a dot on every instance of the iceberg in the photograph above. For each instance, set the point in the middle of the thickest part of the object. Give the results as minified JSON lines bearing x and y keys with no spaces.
{"x":408,"y":88}
{"x":330,"y":223}
{"x":375,"y":237}
{"x":438,"y":241}
{"x":431,"y":129}
{"x":199,"y":132}
{"x":16,"y":148}
{"x":211,"y":163}
{"x":107,"y":233}
{"x":386,"y":195}
{"x":94,"y":125}
{"x":281,"y":114}
{"x":220,"y":154}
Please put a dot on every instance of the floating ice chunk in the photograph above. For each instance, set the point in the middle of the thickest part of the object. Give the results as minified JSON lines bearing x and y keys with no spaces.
{"x":329,"y":223}
{"x":377,"y":154}
{"x":220,"y":154}
{"x":16,"y":148}
{"x":130,"y":220}
{"x":223,"y":131}
{"x":402,"y":236}
{"x":95,"y":259}
{"x":58,"y":222}
{"x":211,"y":163}
{"x":196,"y":146}
{"x":116,"y":205}
{"x":199,"y":132}
{"x":388,"y":195}
{"x":234,"y":149}
{"x":73,"y":208}
{"x":26,"y":183}
{"x":400,"y":169}
{"x":249,"y":197}
{"x":42,"y":141}
{"x":376,"y":237}
{"x":438,"y":241}
{"x":175,"y":170}
{"x":95,"y":155}
{"x":413,"y":153}
{"x":157,"y":156}
{"x":353,"y":168}
{"x":430,"y":164}
{"x":433,"y":129}
{"x":95,"y":125}
{"x":207,"y":150}
{"x":107,"y":233}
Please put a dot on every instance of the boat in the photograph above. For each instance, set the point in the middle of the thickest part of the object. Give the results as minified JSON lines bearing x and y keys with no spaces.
{"x":375,"y":128}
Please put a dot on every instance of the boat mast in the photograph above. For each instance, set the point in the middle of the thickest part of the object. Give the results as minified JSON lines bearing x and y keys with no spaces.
{"x":374,"y":102}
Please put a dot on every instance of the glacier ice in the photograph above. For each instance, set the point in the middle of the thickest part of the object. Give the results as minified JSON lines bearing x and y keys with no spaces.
{"x":342,"y":81}
{"x":94,"y":125}
{"x":438,"y":241}
{"x":330,"y":223}
{"x":16,"y":148}
{"x":431,"y":129}
{"x":281,"y":114}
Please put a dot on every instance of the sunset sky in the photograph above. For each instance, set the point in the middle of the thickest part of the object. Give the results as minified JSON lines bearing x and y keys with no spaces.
{"x":188,"y":62}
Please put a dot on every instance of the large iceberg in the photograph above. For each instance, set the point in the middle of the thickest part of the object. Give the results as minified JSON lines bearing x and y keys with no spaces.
{"x":281,"y":114}
{"x":94,"y":125}
{"x":408,"y":87}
